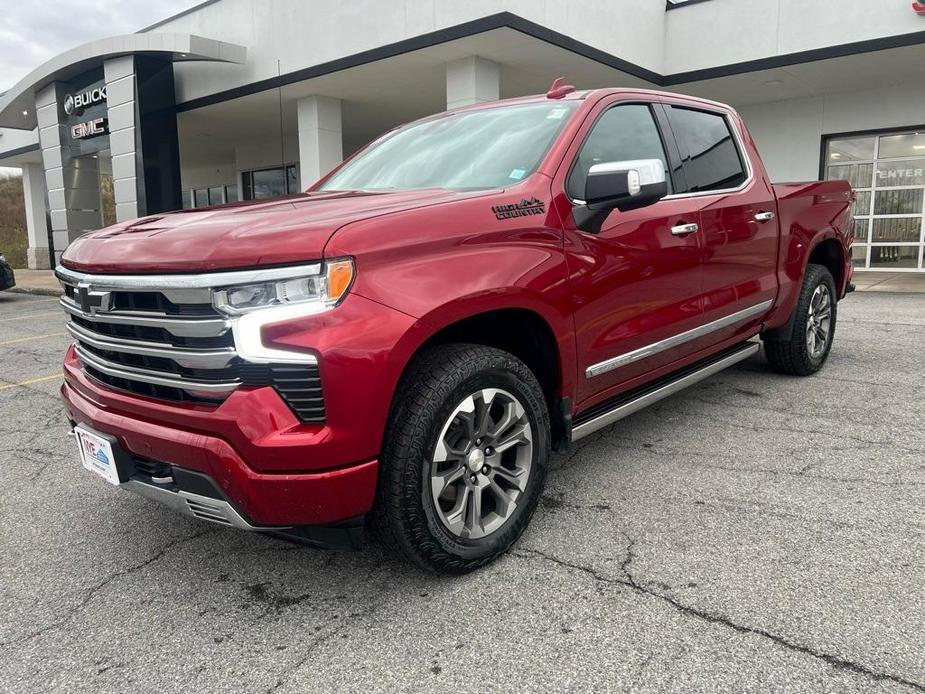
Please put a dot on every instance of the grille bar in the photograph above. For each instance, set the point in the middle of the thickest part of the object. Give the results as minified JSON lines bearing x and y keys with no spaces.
{"x":181,"y":327}
{"x":157,"y":378}
{"x":190,"y":358}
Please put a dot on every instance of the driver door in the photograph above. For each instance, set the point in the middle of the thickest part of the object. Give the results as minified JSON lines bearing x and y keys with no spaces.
{"x":638,"y":281}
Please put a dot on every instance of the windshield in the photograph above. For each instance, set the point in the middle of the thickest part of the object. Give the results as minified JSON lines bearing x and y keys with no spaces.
{"x":489,"y":148}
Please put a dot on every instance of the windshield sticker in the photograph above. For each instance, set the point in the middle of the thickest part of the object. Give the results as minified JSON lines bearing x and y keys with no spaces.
{"x":556,"y":114}
{"x":517,"y":174}
{"x":523,"y":208}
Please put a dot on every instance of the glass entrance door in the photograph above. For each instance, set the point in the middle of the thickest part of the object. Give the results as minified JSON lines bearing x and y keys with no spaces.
{"x":887,"y":173}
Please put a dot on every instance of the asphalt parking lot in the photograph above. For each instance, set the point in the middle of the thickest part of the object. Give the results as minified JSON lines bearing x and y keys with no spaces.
{"x":755,"y":533}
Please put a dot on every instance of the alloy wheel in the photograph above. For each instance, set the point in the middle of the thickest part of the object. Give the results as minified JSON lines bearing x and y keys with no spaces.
{"x":819,"y":321}
{"x":481,"y":463}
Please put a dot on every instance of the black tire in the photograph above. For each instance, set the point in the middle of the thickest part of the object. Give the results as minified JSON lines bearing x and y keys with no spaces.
{"x":793,"y":356}
{"x":405,"y":516}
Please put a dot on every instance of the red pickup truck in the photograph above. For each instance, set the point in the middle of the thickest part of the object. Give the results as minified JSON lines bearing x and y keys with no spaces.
{"x":401,"y":346}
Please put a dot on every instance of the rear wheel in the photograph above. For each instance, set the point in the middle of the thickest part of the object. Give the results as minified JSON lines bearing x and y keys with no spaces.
{"x":813,"y":327}
{"x":465,"y":458}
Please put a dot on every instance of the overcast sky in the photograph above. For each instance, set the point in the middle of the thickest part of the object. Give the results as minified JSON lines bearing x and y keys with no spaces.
{"x":32,"y":31}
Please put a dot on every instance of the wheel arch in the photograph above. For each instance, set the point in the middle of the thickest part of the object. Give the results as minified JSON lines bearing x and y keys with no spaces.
{"x":825,"y":250}
{"x":828,"y":252}
{"x":535,"y":334}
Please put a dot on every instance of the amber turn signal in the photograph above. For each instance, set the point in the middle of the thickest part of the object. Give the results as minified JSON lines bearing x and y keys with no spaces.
{"x":339,"y":278}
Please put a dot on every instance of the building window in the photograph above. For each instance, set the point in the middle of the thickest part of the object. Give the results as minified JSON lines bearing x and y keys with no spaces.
{"x":201,"y":197}
{"x":270,"y":183}
{"x":207,"y":197}
{"x":887,"y":173}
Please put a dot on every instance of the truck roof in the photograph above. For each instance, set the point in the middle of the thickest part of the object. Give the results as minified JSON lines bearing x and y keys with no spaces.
{"x":582,"y":94}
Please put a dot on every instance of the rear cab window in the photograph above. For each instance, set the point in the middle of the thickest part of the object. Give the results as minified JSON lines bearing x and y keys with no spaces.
{"x":709,"y":151}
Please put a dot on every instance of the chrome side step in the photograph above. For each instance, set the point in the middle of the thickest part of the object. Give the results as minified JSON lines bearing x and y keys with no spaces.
{"x":624,"y":408}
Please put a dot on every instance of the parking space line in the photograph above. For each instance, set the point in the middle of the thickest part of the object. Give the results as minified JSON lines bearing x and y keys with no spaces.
{"x":34,"y":337}
{"x":32,"y":315}
{"x":40,"y":379}
{"x":34,"y":301}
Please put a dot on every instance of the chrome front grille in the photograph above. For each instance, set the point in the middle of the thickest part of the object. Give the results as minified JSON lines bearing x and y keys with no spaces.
{"x":160,"y":337}
{"x":149,"y":343}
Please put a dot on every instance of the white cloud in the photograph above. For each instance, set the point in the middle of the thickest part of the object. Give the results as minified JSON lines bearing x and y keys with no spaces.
{"x":33,"y":32}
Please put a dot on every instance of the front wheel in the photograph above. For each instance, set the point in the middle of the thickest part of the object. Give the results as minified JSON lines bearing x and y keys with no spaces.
{"x":464,"y":460}
{"x":813,"y":327}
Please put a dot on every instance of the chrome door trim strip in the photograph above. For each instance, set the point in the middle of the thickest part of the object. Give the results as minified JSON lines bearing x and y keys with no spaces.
{"x":675,"y":340}
{"x":628,"y":408}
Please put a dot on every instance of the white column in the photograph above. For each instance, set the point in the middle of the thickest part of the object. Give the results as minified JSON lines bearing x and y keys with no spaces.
{"x":73,"y":182}
{"x":120,"y":106}
{"x":472,"y":80}
{"x":33,"y":184}
{"x":321,"y":140}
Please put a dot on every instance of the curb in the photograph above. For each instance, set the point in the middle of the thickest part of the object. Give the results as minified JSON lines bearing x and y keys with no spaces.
{"x":38,"y":291}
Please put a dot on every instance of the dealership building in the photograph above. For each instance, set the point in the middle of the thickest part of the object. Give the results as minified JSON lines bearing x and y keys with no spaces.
{"x":246,"y":99}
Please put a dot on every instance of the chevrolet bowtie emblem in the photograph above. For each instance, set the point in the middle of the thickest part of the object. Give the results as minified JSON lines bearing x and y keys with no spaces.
{"x":91,"y":302}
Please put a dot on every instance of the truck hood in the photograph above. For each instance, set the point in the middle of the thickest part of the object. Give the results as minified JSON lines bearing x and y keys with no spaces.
{"x":278,"y":232}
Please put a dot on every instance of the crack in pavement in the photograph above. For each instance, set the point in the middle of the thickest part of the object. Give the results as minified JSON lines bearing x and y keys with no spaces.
{"x":659,"y":450}
{"x":92,"y":591}
{"x":725,"y":425}
{"x":801,"y":473}
{"x":629,"y":581}
{"x":284,"y":675}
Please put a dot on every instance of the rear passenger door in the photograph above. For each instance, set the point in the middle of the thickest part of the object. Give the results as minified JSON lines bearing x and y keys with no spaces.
{"x":737,"y":220}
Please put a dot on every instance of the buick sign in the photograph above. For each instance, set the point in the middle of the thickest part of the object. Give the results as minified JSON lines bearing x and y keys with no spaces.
{"x":74,"y":104}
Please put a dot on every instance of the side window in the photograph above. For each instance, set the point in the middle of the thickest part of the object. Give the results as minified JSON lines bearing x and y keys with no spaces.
{"x":711,"y":158}
{"x":623,"y":133}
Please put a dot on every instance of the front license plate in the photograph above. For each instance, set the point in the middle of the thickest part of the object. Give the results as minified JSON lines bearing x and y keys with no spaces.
{"x":96,"y":455}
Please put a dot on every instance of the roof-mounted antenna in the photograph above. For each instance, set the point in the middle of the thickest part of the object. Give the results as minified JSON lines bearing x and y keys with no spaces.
{"x":559,"y":89}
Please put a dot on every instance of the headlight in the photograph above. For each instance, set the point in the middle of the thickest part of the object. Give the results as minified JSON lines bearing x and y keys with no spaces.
{"x":314,"y":292}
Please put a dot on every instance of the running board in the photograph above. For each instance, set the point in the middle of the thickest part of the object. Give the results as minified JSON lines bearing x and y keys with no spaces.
{"x":652,"y":393}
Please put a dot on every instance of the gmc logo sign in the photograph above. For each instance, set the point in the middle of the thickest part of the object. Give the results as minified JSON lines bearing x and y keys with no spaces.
{"x":90,"y":128}
{"x":918,"y":8}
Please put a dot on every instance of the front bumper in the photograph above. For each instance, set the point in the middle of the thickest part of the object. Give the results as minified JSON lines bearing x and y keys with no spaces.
{"x":260,"y":500}
{"x":275,"y":470}
{"x":196,"y":495}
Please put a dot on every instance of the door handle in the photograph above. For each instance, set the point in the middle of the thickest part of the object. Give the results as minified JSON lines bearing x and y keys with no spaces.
{"x":764,"y":216}
{"x":684,"y":229}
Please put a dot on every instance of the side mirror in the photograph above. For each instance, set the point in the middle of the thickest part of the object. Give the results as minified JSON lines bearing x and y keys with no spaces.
{"x":621,"y":185}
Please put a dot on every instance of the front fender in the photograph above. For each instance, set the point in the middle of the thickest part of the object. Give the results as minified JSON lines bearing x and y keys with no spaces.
{"x":440,"y":264}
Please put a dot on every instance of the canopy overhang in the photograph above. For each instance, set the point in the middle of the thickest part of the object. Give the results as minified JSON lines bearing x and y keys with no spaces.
{"x":17,"y":105}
